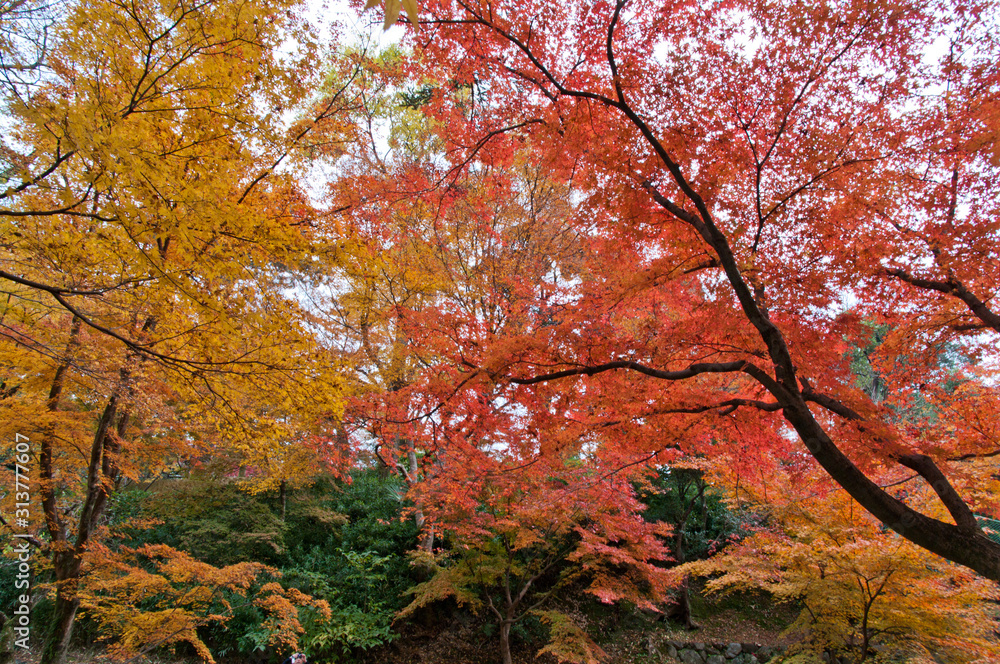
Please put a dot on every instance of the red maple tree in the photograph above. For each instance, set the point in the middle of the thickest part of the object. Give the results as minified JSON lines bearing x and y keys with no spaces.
{"x":752,"y":184}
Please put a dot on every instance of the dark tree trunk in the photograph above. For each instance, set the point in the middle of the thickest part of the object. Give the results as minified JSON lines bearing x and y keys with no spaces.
{"x":67,"y":570}
{"x":682,"y":613}
{"x":505,"y":641}
{"x":102,"y":472}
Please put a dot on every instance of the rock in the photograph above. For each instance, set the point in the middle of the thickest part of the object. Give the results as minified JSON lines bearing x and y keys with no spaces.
{"x":733,"y":650}
{"x":750,"y":647}
{"x":670,"y":650}
{"x":715,"y":659}
{"x":765,"y":653}
{"x":688,"y":656}
{"x":699,"y":646}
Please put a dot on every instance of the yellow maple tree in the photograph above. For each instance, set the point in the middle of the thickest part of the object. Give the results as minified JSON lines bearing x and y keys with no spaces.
{"x":149,"y":237}
{"x":863,"y":591}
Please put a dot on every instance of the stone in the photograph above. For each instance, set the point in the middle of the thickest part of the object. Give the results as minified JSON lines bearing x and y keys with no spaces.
{"x":715,"y":659}
{"x":733,"y":650}
{"x":689,"y":656}
{"x":765,"y":654}
{"x":699,"y":646}
{"x":670,"y":651}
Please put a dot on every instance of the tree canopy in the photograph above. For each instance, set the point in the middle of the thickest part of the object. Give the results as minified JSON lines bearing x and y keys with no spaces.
{"x":534,"y":260}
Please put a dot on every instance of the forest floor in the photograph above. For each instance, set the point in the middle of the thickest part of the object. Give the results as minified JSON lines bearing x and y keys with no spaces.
{"x":625,"y":636}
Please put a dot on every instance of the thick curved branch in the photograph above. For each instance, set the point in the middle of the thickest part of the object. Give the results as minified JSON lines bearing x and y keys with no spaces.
{"x":958,"y":508}
{"x":689,"y":372}
{"x":920,"y":463}
{"x":672,"y":207}
{"x":955,"y":288}
{"x":956,"y":543}
{"x":829,"y":403}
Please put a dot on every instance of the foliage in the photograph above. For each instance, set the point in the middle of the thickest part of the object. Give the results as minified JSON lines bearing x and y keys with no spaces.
{"x":737,"y":173}
{"x":564,"y":245}
{"x":393,"y":7}
{"x":147,"y":241}
{"x":341,"y":543}
{"x":154,"y":595}
{"x":218,"y":524}
{"x":348,"y":629}
{"x":569,"y":642}
{"x":681,"y":497}
{"x":702,"y":523}
{"x":866,"y":593}
{"x":364,"y":592}
{"x":524,"y":536}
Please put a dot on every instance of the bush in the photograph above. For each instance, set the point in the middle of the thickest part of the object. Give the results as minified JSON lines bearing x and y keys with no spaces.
{"x":343,"y":542}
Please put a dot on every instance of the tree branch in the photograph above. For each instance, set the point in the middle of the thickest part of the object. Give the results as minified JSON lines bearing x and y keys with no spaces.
{"x":958,"y":508}
{"x":955,"y":288}
{"x":689,"y":372}
{"x":30,"y":539}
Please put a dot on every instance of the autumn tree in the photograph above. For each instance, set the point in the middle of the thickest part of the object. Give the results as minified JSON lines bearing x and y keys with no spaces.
{"x":426,"y":246}
{"x":149,"y":238}
{"x":520,"y":534}
{"x":864,"y":592}
{"x":743,"y":173}
{"x":447,"y":258}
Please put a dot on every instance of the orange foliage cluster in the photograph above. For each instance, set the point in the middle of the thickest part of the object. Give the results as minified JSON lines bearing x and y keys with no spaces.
{"x":154,"y":595}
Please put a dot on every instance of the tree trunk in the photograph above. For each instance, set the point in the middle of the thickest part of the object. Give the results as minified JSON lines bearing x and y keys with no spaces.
{"x":427,"y":541}
{"x":102,"y":472}
{"x":683,"y":611}
{"x":865,"y":633}
{"x":67,"y":559}
{"x":67,"y":569}
{"x":505,"y":641}
{"x":46,"y":489}
{"x":66,"y":566}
